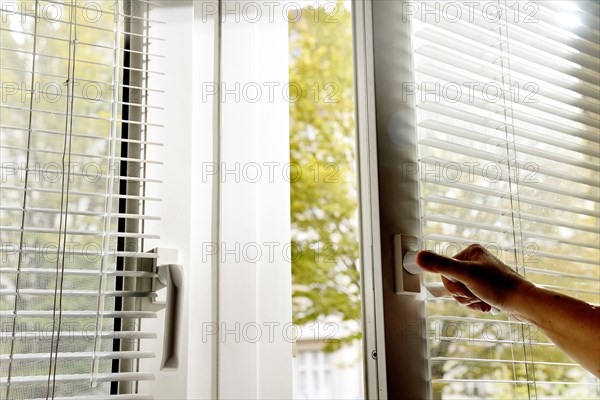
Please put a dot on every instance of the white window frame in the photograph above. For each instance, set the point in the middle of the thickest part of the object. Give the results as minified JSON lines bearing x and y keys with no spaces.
{"x":198,"y":208}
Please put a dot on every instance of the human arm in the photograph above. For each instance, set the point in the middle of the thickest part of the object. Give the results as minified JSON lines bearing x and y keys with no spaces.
{"x":482,"y":281}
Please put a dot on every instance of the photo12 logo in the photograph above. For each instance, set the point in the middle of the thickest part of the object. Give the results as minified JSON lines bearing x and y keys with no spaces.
{"x":270,"y":332}
{"x":252,"y":12}
{"x":271,"y":92}
{"x":478,"y":12}
{"x":51,"y":92}
{"x":87,"y":12}
{"x":471,"y":92}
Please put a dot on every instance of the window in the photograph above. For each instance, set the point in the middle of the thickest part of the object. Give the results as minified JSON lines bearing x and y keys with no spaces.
{"x":79,"y":205}
{"x":321,"y":374}
{"x":313,"y":375}
{"x":512,"y":164}
{"x":74,"y":106}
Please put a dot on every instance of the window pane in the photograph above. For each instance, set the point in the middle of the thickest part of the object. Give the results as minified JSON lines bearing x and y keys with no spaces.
{"x":325,"y":266}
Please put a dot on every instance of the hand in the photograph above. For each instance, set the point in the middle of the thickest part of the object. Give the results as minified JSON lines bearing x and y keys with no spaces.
{"x":481,"y":280}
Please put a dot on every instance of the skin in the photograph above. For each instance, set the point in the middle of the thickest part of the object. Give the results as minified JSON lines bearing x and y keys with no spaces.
{"x":482,"y":281}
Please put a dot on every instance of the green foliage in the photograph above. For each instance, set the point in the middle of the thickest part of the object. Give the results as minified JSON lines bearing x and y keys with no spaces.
{"x":323,"y":191}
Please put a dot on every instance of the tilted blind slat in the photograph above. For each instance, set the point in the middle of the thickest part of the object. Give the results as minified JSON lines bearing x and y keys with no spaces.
{"x":461,"y":359}
{"x":542,"y":118}
{"x":28,"y":357}
{"x":91,"y":44}
{"x":80,"y":135}
{"x":78,"y":212}
{"x":463,"y":240}
{"x":478,"y":137}
{"x":78,"y":193}
{"x":79,"y":314}
{"x":122,"y":376}
{"x":49,"y":292}
{"x":81,"y":272}
{"x":566,"y":46}
{"x":136,"y":396}
{"x":479,"y":171}
{"x":28,"y":335}
{"x":502,"y":159}
{"x":549,"y":58}
{"x":495,"y":210}
{"x":473,"y":69}
{"x":464,"y":116}
{"x":515,"y":382}
{"x":533,"y":71}
{"x":505,"y":229}
{"x":504,"y":194}
{"x":84,"y":155}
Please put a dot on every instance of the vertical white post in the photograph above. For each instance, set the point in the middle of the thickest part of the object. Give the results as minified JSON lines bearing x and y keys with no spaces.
{"x":255,"y":290}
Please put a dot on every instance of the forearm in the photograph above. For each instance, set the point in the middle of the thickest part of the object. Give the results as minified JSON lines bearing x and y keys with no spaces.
{"x":573,"y":325}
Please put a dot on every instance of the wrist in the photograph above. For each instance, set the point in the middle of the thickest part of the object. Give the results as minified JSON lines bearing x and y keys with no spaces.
{"x":520,"y":299}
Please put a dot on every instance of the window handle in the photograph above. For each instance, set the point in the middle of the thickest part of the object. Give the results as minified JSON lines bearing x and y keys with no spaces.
{"x":409,"y":264}
{"x":169,"y":275}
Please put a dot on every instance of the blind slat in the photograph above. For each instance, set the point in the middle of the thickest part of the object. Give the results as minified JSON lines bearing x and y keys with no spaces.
{"x":85,"y":81}
{"x":83,"y":155}
{"x":505,"y":194}
{"x":121,"y":376}
{"x":79,"y":272}
{"x":46,"y":335}
{"x":541,"y":254}
{"x":79,"y":193}
{"x":514,"y":382}
{"x":496,"y":210}
{"x":79,"y":232}
{"x":502,"y":159}
{"x":79,"y":212}
{"x":135,"y":396}
{"x":78,"y":314}
{"x":81,"y":135}
{"x":55,"y":57}
{"x":39,"y":111}
{"x":478,"y":171}
{"x":465,"y":116}
{"x":525,"y":94}
{"x":499,"y":142}
{"x":507,"y":229}
{"x":83,"y":293}
{"x":79,"y":42}
{"x":573,"y":48}
{"x":128,"y":355}
{"x":535,"y":71}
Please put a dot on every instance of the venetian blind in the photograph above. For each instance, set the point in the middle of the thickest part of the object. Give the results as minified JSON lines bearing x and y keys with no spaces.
{"x":507,"y":97}
{"x":75,"y":89}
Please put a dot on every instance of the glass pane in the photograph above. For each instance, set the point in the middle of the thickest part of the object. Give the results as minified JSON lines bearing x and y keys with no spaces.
{"x":325,"y":266}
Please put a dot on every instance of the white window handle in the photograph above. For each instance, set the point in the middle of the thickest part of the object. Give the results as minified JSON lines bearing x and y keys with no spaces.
{"x":171,"y":275}
{"x":405,"y":247}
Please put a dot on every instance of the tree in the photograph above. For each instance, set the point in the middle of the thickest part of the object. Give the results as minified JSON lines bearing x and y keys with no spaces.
{"x":323,"y":190}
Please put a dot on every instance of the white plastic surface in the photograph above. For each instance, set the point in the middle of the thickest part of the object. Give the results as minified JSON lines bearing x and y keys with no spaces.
{"x":410,"y":262}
